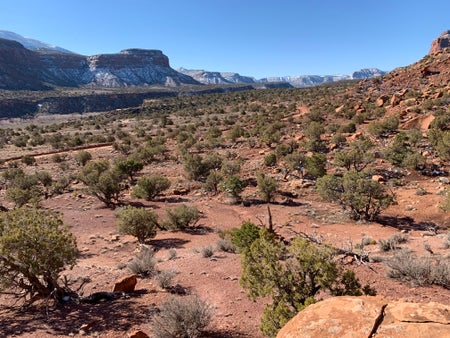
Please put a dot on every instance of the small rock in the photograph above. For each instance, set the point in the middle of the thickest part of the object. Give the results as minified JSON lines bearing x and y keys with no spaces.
{"x":444,"y":180}
{"x":339,"y":109}
{"x":137,"y":334}
{"x":125,"y":284}
{"x":378,"y":178}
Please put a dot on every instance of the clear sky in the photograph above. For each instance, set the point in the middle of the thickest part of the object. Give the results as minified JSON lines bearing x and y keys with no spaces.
{"x":258,"y":38}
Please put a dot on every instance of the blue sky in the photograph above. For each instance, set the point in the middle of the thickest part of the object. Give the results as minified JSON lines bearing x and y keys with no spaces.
{"x":258,"y":38}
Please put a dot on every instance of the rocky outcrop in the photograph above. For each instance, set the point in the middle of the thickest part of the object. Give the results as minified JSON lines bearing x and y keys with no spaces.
{"x":443,"y":41}
{"x":369,"y":317}
{"x":21,"y":68}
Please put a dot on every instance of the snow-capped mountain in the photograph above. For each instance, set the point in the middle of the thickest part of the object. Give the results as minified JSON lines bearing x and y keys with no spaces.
{"x":31,"y":43}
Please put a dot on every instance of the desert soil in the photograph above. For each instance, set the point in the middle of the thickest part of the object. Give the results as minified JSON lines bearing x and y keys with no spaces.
{"x":104,"y":255}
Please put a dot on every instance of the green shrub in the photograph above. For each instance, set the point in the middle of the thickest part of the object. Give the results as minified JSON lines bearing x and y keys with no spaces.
{"x":232,"y":185}
{"x":28,"y":160}
{"x":283,"y":149}
{"x":357,"y":157}
{"x":364,"y":197}
{"x":383,"y":128}
{"x":182,"y":217}
{"x":82,"y":157}
{"x":129,"y":167}
{"x":244,"y":236}
{"x":21,"y":188}
{"x":315,"y":166}
{"x":138,"y":222}
{"x":58,"y":158}
{"x":338,"y":139}
{"x":148,"y":187}
{"x":213,"y":181}
{"x":35,"y":247}
{"x":270,"y":160}
{"x":292,"y":276}
{"x":267,"y":187}
{"x":102,"y":182}
{"x":348,"y":128}
{"x":198,"y":168}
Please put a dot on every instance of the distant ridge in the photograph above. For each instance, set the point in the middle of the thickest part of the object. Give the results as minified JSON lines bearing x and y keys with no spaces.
{"x":32,"y":64}
{"x":211,"y":77}
{"x":32,"y":43}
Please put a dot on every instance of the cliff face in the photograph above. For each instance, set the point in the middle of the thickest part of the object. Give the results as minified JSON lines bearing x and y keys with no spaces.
{"x":441,"y":42}
{"x":134,"y":67}
{"x":21,"y":68}
{"x":207,"y":77}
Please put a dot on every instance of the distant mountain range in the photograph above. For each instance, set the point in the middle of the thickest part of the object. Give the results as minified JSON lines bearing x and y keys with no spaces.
{"x":207,"y":77}
{"x":31,"y":64}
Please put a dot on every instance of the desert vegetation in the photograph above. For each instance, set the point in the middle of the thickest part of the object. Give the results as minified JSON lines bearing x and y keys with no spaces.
{"x":277,"y":184}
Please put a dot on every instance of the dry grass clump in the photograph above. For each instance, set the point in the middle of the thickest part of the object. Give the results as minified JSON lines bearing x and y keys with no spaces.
{"x":419,"y":270}
{"x":182,"y":317}
{"x":392,"y":242}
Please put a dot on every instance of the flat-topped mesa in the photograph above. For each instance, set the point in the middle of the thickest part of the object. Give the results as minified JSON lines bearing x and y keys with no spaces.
{"x":154,"y":54}
{"x":127,"y":57}
{"x":442,"y":42}
{"x":21,"y":68}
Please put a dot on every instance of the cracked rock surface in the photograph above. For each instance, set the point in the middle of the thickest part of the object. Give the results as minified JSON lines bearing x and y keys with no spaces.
{"x":369,"y":317}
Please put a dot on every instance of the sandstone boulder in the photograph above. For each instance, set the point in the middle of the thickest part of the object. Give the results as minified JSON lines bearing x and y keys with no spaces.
{"x":137,"y":334}
{"x":125,"y":284}
{"x":395,"y":100}
{"x":381,"y":100}
{"x":369,"y":317}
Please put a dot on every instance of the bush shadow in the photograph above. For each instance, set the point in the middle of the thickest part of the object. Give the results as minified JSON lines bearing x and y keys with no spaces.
{"x":68,"y":319}
{"x":407,"y":223}
{"x":167,"y":243}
